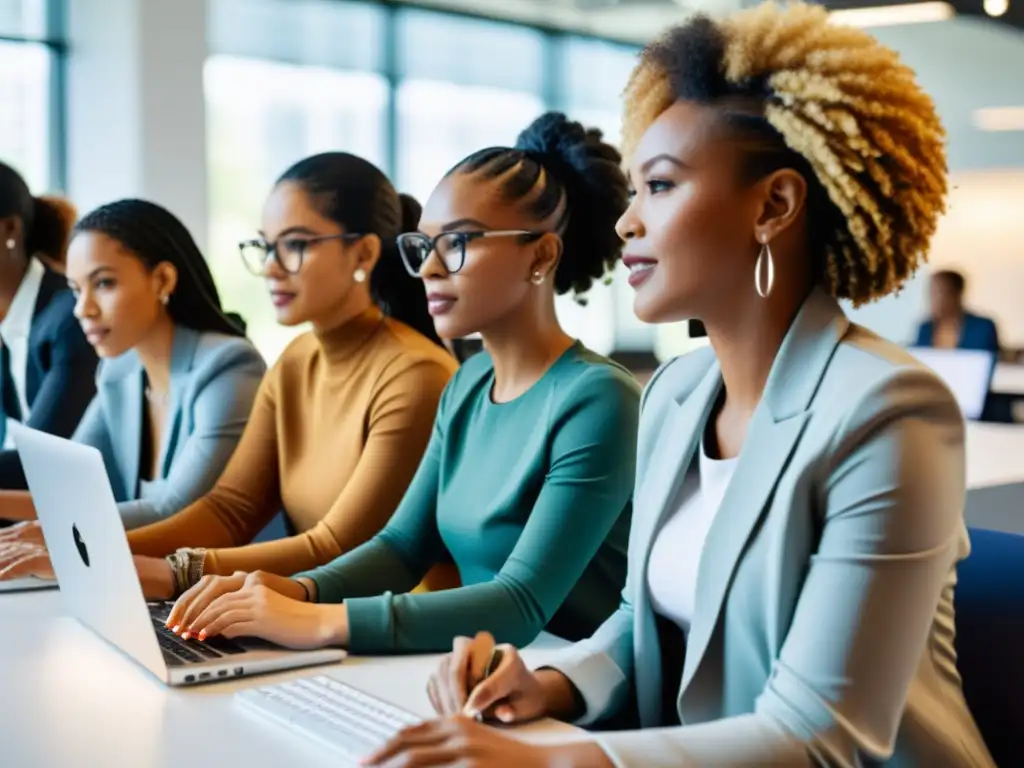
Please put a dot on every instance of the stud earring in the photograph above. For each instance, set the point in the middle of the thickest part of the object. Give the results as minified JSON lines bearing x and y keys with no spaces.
{"x":359,"y":275}
{"x":537,"y":278}
{"x":764,"y":264}
{"x":10,"y":243}
{"x":165,"y":299}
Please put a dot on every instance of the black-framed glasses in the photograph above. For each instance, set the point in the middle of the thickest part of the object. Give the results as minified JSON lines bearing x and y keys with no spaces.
{"x":289,"y":252}
{"x":415,"y":247}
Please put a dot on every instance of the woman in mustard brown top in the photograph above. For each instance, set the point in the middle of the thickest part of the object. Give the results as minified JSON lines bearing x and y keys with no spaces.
{"x":341,"y":421}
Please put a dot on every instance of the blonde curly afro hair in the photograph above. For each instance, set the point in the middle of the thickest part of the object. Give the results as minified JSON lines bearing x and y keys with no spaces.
{"x":829,"y":101}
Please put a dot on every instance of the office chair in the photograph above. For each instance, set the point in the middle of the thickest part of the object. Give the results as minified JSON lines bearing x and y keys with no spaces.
{"x":989,"y":606}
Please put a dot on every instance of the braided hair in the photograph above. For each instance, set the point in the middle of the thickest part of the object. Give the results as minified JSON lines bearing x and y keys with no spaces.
{"x":558,"y":168}
{"x":154,"y":235}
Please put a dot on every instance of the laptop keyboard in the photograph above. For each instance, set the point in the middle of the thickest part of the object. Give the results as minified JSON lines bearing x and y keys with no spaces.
{"x":178,"y":652}
{"x":328,"y":711}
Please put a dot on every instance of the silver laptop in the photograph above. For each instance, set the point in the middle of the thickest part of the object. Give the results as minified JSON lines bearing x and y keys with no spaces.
{"x":967,"y":373}
{"x":98,"y":581}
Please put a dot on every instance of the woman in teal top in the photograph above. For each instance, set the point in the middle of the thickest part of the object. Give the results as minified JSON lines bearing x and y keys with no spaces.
{"x":526,"y":483}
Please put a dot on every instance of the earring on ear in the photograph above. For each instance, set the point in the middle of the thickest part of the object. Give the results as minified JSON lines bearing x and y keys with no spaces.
{"x":537,"y":278}
{"x":359,"y":275}
{"x":765,"y":263}
{"x":165,"y":299}
{"x":10,"y":243}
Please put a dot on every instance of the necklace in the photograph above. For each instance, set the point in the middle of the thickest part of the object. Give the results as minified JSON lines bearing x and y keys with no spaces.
{"x":159,"y":399}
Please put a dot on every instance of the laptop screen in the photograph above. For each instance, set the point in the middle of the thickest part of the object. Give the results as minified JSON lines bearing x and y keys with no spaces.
{"x":967,"y":373}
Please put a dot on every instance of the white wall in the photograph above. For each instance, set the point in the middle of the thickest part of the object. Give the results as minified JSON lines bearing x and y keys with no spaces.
{"x":135,"y":110}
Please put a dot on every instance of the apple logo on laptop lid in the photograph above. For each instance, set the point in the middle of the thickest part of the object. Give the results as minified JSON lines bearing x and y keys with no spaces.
{"x":83,"y":551}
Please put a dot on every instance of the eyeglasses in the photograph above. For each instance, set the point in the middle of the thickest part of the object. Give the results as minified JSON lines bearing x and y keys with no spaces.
{"x":415,"y":247}
{"x":288,"y":252}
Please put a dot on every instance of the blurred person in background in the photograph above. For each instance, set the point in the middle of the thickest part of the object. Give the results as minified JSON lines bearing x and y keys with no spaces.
{"x":46,"y":366}
{"x":951,"y":326}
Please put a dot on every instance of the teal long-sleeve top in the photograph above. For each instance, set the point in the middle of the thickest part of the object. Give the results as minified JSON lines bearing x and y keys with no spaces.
{"x":530,"y":498}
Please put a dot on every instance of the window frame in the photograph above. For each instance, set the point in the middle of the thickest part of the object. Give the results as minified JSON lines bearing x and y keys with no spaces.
{"x":54,"y":40}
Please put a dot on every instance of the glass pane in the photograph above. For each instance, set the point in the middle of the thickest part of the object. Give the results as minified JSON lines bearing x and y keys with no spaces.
{"x":262,"y":117}
{"x":334,"y":33}
{"x":591,"y":77}
{"x":593,"y":73}
{"x":438,"y":46}
{"x":440,"y":123}
{"x":23,"y":18}
{"x":25,"y":117}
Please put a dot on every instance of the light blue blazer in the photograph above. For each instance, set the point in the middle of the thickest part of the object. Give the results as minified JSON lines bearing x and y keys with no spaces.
{"x":214,"y":379}
{"x":823,"y":627}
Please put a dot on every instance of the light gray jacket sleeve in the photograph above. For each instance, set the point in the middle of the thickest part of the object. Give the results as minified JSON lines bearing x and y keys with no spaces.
{"x":226,"y":385}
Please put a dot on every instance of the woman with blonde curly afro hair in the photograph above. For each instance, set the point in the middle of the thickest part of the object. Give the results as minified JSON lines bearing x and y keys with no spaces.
{"x":798,"y":512}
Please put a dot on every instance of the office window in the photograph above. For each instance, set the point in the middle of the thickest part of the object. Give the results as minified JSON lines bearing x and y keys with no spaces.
{"x":28,"y":119}
{"x":25,"y":75}
{"x":446,"y":107}
{"x":262,"y":116}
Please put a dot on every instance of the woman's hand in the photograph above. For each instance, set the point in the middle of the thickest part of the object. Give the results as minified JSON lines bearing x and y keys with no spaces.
{"x":26,"y":533}
{"x":155,"y":576}
{"x":460,"y":741}
{"x":194,"y":601}
{"x":260,"y":611}
{"x":20,"y":559}
{"x":512,"y":693}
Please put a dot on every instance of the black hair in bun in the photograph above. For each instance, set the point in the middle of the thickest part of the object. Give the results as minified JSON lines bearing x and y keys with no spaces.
{"x":555,"y":160}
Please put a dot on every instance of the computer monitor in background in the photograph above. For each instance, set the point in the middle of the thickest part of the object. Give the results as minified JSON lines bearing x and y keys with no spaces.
{"x":967,"y":373}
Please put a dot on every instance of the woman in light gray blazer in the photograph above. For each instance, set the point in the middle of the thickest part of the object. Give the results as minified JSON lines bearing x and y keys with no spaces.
{"x":798,"y":508}
{"x":177,"y":377}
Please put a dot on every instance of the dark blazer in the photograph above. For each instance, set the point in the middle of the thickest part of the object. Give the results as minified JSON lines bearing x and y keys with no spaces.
{"x":976,"y":332}
{"x":60,"y":376}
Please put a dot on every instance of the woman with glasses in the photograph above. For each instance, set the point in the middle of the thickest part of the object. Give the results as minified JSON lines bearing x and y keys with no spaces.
{"x":177,"y":379}
{"x":528,"y":477}
{"x":342,"y":419}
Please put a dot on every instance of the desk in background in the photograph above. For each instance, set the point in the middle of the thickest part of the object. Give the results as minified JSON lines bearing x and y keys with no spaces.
{"x":995,"y":476}
{"x":69,"y":700}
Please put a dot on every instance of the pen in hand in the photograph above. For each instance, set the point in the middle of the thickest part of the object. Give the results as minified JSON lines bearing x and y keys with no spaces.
{"x":492,"y":666}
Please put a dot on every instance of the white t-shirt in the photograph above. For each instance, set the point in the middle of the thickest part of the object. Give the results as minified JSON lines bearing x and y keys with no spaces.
{"x":675,"y":556}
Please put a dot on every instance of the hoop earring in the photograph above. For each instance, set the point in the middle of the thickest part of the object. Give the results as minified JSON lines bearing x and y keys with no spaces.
{"x":359,"y":275}
{"x":537,"y":278}
{"x":764,"y":256}
{"x":10,"y":243}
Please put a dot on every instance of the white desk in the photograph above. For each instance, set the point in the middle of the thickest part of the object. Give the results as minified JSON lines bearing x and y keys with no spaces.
{"x":995,"y":455}
{"x":1008,"y":379}
{"x":70,"y":700}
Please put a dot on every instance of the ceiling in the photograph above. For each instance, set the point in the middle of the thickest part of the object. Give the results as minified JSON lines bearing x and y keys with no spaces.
{"x":637,"y":21}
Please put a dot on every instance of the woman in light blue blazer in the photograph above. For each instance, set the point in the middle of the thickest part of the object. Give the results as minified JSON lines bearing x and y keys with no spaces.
{"x":798,"y":508}
{"x":177,"y":377}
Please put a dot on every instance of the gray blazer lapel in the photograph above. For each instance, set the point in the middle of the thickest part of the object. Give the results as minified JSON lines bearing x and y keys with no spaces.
{"x":773,"y":434}
{"x":182,"y":355}
{"x":675,"y":447}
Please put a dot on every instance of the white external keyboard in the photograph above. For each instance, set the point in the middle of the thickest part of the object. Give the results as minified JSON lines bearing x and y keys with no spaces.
{"x":336,"y":715}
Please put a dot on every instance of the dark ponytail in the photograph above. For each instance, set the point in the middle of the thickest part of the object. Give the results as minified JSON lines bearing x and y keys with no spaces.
{"x":554,"y":160}
{"x":46,"y":222}
{"x":154,"y":235}
{"x":357,"y":196}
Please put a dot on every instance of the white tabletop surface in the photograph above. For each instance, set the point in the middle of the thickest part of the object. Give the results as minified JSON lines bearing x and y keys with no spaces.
{"x":995,"y":454}
{"x":70,"y":700}
{"x":1008,"y":379}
